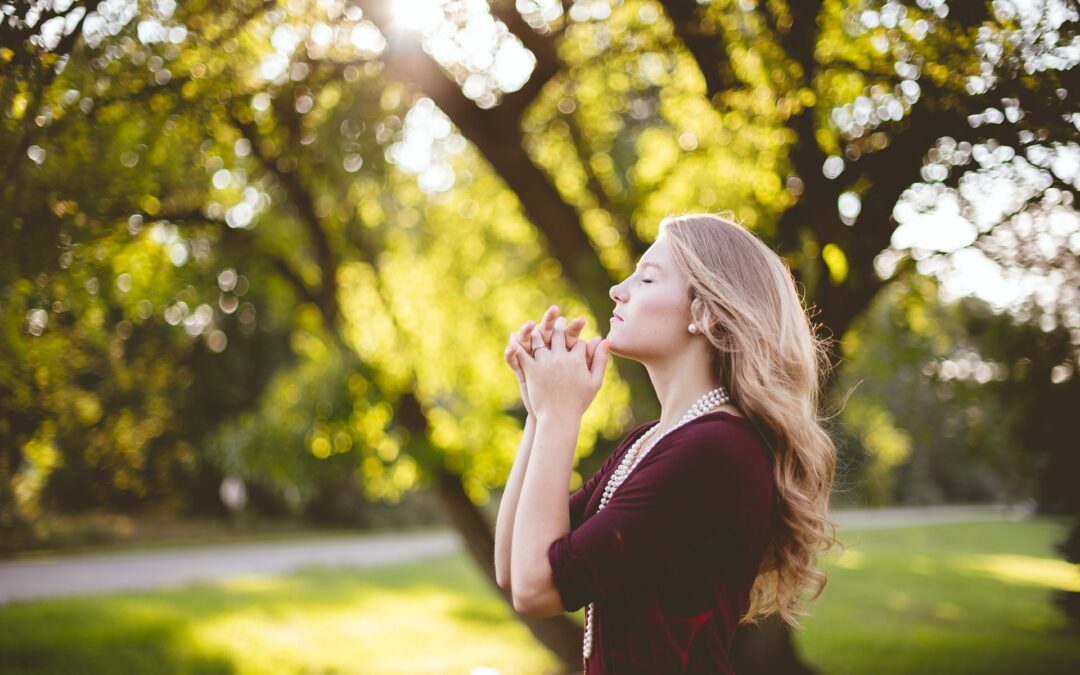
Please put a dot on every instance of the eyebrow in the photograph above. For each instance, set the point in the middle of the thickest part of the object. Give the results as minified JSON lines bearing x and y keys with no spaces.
{"x":649,"y":264}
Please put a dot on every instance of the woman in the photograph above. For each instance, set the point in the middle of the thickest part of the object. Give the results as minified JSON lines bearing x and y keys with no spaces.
{"x":712,"y":515}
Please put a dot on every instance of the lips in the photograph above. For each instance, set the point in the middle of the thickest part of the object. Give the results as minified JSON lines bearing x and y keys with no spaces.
{"x":615,"y":315}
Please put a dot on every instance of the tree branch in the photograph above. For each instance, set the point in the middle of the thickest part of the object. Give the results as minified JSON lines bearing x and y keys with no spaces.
{"x":497,"y":134}
{"x":603,"y":199}
{"x":327,"y":300}
{"x":705,"y":43}
{"x":231,"y":234}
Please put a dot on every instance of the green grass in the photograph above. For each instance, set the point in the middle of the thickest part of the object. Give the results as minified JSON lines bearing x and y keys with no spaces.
{"x":436,"y":616}
{"x":956,"y":599}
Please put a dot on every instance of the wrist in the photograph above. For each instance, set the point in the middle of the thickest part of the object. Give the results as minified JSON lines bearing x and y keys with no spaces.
{"x":556,"y":418}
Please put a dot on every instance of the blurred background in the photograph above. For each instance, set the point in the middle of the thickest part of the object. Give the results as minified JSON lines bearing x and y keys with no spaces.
{"x":259,"y":261}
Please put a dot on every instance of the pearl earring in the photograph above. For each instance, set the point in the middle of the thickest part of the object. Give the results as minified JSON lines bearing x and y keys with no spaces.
{"x":692,"y":328}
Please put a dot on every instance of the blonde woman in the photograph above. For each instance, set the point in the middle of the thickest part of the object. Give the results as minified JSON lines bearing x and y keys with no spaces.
{"x":711,"y":516}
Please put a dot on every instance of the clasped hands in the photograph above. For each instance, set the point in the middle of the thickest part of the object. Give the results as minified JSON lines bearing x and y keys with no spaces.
{"x":558,"y":374}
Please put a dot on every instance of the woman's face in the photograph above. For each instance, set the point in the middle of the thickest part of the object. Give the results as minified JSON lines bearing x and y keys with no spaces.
{"x":652,"y":308}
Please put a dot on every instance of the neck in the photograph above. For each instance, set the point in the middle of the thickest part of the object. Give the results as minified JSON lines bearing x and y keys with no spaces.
{"x":680,"y":382}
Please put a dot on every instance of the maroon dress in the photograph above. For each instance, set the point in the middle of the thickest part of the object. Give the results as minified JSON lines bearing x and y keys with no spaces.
{"x":670,"y":559}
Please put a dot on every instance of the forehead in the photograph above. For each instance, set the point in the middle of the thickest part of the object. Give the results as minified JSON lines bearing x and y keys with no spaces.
{"x":655,"y":256}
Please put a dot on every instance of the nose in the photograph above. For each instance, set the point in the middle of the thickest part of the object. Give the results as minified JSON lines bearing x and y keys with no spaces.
{"x":616,"y":294}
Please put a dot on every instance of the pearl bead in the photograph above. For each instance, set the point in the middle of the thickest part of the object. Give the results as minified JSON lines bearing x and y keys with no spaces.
{"x":713,"y":399}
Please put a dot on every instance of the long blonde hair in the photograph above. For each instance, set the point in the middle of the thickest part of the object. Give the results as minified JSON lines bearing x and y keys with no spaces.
{"x":769,"y":357}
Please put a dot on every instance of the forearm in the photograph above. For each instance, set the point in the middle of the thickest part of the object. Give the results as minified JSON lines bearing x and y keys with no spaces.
{"x":504,"y":524}
{"x":543,"y":513}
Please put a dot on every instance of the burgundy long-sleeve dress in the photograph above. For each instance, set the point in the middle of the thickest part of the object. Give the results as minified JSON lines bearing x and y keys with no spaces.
{"x":670,"y":560}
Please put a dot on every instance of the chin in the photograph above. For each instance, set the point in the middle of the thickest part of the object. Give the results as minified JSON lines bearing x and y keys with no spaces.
{"x":613,"y":347}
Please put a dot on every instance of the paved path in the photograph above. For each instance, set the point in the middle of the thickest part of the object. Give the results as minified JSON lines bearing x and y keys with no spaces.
{"x":121,"y":571}
{"x":903,"y":516}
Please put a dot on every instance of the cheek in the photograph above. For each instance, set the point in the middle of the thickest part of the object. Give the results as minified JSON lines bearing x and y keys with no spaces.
{"x":668,"y":307}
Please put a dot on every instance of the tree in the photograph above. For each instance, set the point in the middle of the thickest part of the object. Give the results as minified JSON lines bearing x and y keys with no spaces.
{"x":814,"y":119}
{"x":834,"y":84}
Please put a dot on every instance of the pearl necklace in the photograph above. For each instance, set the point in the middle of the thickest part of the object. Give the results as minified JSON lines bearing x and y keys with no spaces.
{"x":713,"y":399}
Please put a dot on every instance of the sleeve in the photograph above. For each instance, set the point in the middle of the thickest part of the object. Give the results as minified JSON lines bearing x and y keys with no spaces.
{"x":579,"y":499}
{"x":698,"y":490}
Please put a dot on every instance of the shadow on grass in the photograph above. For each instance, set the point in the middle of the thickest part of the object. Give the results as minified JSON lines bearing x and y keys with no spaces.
{"x":45,"y":639}
{"x":290,"y":623}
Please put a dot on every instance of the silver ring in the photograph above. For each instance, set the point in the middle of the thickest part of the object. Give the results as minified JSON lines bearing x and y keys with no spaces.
{"x":540,"y":347}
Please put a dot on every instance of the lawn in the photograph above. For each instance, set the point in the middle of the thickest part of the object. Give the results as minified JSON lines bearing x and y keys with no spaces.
{"x":955,"y":598}
{"x":970,"y":598}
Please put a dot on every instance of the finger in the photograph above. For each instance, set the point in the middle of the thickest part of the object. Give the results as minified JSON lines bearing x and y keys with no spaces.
{"x":573,"y":330}
{"x":558,"y":336}
{"x":590,"y":351}
{"x":547,"y":324}
{"x":511,"y":359}
{"x":590,"y":348}
{"x":508,"y":352}
{"x":599,"y":363}
{"x":524,"y":358}
{"x":579,"y":349}
{"x":536,"y":339}
{"x":524,"y":334}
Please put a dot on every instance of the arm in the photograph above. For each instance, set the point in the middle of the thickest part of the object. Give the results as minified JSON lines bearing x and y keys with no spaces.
{"x":577,"y":502}
{"x":543,"y":516}
{"x":504,"y":525}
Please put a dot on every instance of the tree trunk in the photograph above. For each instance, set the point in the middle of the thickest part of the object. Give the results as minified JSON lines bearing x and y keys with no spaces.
{"x":496,"y":133}
{"x":561,"y":634}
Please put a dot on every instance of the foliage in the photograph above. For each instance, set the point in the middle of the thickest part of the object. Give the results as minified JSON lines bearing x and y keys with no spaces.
{"x":279,"y":239}
{"x":213,"y":228}
{"x":984,"y":413}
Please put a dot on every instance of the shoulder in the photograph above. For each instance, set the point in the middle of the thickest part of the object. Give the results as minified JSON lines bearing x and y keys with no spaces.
{"x":720,"y":441}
